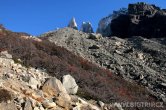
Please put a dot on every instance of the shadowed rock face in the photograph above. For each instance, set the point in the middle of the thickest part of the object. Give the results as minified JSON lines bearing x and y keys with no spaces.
{"x":142,"y":20}
{"x":139,"y":19}
{"x":104,"y":23}
{"x":102,"y":26}
{"x":117,"y":27}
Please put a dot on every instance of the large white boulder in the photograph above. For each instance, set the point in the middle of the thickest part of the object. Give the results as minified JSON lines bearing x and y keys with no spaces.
{"x":70,"y":84}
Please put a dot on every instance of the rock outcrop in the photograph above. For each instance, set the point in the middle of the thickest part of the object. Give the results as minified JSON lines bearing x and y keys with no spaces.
{"x":73,"y":24}
{"x":104,"y":23}
{"x":103,"y":27}
{"x":142,"y":20}
{"x":86,"y":27}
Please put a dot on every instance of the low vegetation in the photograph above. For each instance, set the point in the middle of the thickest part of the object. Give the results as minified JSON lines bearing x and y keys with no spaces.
{"x":94,"y":82}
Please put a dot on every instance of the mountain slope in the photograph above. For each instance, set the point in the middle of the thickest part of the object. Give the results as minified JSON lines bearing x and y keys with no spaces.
{"x":137,"y":59}
{"x":94,"y":82}
{"x":25,"y":88}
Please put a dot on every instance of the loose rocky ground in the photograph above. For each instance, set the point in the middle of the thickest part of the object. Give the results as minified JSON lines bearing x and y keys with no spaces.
{"x":135,"y":59}
{"x":23,"y":88}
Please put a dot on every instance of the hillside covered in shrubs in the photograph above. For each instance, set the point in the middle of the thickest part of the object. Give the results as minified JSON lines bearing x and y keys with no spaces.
{"x":94,"y":82}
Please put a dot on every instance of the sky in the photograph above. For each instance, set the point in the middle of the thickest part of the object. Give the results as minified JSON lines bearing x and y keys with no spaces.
{"x":39,"y":16}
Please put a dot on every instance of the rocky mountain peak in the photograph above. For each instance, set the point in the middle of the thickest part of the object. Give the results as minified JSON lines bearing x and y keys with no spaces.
{"x":86,"y":27}
{"x":73,"y":24}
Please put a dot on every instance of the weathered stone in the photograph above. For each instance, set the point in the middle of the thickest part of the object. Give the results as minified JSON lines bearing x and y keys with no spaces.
{"x":28,"y":105}
{"x":48,"y":104}
{"x":37,"y":97}
{"x":33,"y":102}
{"x":141,"y":77}
{"x":5,"y":76}
{"x":118,"y":52}
{"x":41,"y":108}
{"x":53,"y":87}
{"x":77,"y":108}
{"x":82,"y":101}
{"x":74,"y":98}
{"x":94,"y":36}
{"x":118,"y":44}
{"x":63,"y":101}
{"x":101,"y":104}
{"x":163,"y":97}
{"x":20,"y":100}
{"x":140,"y":56}
{"x":33,"y":83}
{"x":83,"y":105}
{"x":25,"y":77}
{"x":163,"y":85}
{"x":36,"y":108}
{"x":70,"y":84}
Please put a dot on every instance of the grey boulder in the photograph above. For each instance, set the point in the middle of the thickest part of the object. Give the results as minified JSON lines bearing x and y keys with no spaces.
{"x":70,"y":84}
